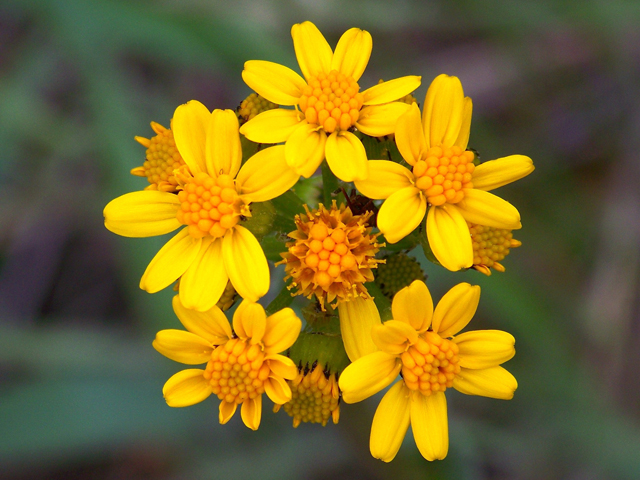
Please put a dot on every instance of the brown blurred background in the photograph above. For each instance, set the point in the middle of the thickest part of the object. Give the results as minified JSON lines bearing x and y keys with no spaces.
{"x":80,"y":384}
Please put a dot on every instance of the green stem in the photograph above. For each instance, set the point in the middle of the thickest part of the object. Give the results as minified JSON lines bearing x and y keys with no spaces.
{"x":329,"y":184}
{"x":282,"y":300}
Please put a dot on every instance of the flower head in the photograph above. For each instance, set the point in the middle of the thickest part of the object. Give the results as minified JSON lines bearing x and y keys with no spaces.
{"x":315,"y":397}
{"x":214,"y":192}
{"x":490,"y":246}
{"x":332,"y":254}
{"x":241,"y":364}
{"x":328,"y":103}
{"x":424,"y":346}
{"x":162,"y":159}
{"x":443,"y":178}
{"x":253,"y":105}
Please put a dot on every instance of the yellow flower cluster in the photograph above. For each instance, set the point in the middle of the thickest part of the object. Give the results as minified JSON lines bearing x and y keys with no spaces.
{"x":430,"y":191}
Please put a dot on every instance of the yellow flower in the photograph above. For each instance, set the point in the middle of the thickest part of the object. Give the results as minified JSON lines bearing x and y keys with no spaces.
{"x":162,"y":158}
{"x":328,"y":103}
{"x":315,"y":397}
{"x":443,"y":178}
{"x":419,"y":342}
{"x":332,"y":254}
{"x":215,"y":192}
{"x":241,"y":364}
{"x":490,"y":246}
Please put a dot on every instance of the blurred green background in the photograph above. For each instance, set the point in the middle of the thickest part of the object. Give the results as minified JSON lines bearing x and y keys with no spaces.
{"x":80,"y":384}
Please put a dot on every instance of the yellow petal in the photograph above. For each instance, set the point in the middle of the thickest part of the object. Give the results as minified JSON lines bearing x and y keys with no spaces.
{"x":304,"y":150}
{"x":347,"y":157}
{"x":142,"y":214}
{"x":385,"y":179}
{"x":245,"y":263}
{"x":465,"y":128}
{"x":226,"y":411}
{"x":202,"y":285}
{"x":282,"y":330}
{"x":393,"y":337}
{"x":443,"y":111}
{"x":183,"y":347}
{"x":277,"y":390}
{"x":410,"y":136}
{"x":390,"y":423}
{"x":485,"y":208}
{"x":357,"y":317}
{"x":485,"y":348}
{"x":496,"y":173}
{"x":391,"y":90}
{"x":272,"y":126}
{"x":449,"y":237}
{"x":189,"y":125}
{"x":430,"y":425}
{"x":401,"y":213}
{"x":251,"y":412}
{"x":312,"y":50}
{"x":186,"y":388}
{"x":274,"y":82}
{"x":380,"y":120}
{"x":250,"y":321}
{"x":414,"y":306}
{"x":266,"y":175}
{"x":368,"y":375}
{"x":212,"y":325}
{"x":352,"y":53}
{"x":455,"y":309}
{"x":223,"y":150}
{"x":171,"y":261}
{"x":494,"y":382}
{"x":282,"y":366}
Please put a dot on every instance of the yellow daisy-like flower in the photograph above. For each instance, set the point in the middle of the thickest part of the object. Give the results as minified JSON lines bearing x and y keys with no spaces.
{"x":215,"y":192}
{"x":332,"y":254}
{"x":490,"y":246}
{"x":328,"y":103}
{"x":162,"y":159}
{"x":443,"y":179}
{"x":242,"y":363}
{"x":423,"y":345}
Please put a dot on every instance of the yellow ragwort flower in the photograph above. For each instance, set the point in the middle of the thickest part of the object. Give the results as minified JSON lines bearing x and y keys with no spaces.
{"x":162,"y":159}
{"x":422,"y":344}
{"x":215,"y":192}
{"x":328,"y":103}
{"x":315,"y":397}
{"x":490,"y":246}
{"x":242,"y":363}
{"x":443,"y":178}
{"x":252,"y":106}
{"x":332,"y":254}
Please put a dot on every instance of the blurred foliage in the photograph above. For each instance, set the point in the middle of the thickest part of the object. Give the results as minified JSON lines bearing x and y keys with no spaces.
{"x":80,"y":385}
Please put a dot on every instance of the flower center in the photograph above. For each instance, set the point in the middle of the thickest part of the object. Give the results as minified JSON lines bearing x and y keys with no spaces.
{"x":210,"y":206}
{"x":331,"y":101}
{"x":237,"y":371}
{"x":329,"y":254}
{"x":253,"y":105}
{"x":162,"y":158}
{"x":314,"y":398}
{"x":430,"y":364}
{"x":444,"y":174}
{"x":491,"y":245}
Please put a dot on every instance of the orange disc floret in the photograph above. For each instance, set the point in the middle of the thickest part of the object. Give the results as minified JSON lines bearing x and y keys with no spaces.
{"x":332,"y":254}
{"x":331,"y":101}
{"x":490,"y":246}
{"x":253,"y":105}
{"x":162,"y":159}
{"x":430,"y":364}
{"x":444,"y":173}
{"x":237,"y":371}
{"x":315,"y":398}
{"x":209,"y":205}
